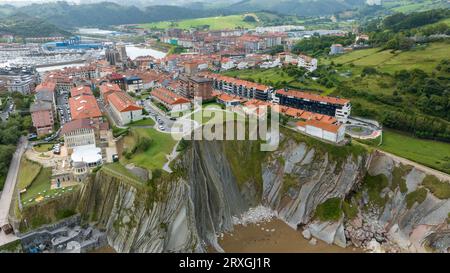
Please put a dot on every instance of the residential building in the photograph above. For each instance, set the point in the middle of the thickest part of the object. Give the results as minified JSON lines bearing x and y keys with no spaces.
{"x":336,"y":49}
{"x":85,"y":107}
{"x":107,"y":89}
{"x":46,"y":95}
{"x":78,"y":132}
{"x":63,"y":83}
{"x":239,"y":87}
{"x":134,"y":84}
{"x":23,"y":84}
{"x":42,"y":115}
{"x":170,"y":100}
{"x":118,"y":79}
{"x":228,"y":100}
{"x":331,"y":106}
{"x":19,"y":79}
{"x":124,"y":107}
{"x":331,"y":132}
{"x":81,"y":90}
{"x":200,"y":87}
{"x":307,"y":62}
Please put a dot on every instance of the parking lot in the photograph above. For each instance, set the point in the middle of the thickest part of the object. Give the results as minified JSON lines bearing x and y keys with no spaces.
{"x":62,"y":105}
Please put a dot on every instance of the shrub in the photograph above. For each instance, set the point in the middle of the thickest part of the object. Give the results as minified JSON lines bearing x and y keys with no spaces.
{"x":330,"y":210}
{"x":438,"y":188}
{"x":418,"y":196}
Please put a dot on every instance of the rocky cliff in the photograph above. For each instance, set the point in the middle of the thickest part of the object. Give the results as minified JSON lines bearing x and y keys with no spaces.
{"x":342,"y":195}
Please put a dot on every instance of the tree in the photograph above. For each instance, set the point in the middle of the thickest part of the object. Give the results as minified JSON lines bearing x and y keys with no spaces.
{"x":249,"y":18}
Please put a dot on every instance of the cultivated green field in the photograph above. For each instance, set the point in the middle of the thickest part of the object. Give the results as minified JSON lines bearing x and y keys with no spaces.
{"x":424,"y":57}
{"x":433,"y":154}
{"x":214,"y":23}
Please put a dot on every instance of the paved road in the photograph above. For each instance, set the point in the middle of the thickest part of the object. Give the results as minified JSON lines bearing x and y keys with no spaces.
{"x":8,"y":190}
{"x":6,"y":113}
{"x":441,"y":175}
{"x":151,"y":108}
{"x":61,"y":101}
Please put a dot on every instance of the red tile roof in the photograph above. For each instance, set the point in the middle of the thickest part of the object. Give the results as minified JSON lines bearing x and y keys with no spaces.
{"x":75,"y":125}
{"x":322,"y":125}
{"x":47,"y":85}
{"x":108,"y":87}
{"x":235,"y":81}
{"x":168,"y":96}
{"x":306,"y":115}
{"x":122,"y":102}
{"x":80,"y":90}
{"x":313,"y":97}
{"x":226,"y":98}
{"x":84,"y":106}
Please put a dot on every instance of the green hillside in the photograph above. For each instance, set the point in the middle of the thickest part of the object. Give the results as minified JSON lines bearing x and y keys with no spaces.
{"x":422,"y":57}
{"x":25,"y":26}
{"x":214,"y":23}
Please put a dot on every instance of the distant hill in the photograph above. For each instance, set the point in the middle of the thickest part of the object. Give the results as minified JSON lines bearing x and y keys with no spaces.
{"x":101,"y":14}
{"x":296,"y":7}
{"x":25,"y":26}
{"x":104,"y":14}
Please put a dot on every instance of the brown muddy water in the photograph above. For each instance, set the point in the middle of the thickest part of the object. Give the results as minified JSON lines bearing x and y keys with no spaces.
{"x":253,"y":239}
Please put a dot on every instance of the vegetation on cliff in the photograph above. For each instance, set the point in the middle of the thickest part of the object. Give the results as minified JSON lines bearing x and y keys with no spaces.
{"x":440,"y":189}
{"x":330,"y":210}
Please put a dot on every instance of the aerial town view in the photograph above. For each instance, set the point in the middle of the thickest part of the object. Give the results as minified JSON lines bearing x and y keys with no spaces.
{"x":225,"y":126}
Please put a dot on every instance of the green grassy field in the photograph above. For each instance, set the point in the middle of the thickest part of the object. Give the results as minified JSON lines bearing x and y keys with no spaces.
{"x":213,"y":113}
{"x":214,"y":23}
{"x":119,"y":168}
{"x":422,"y":57}
{"x":427,"y":152}
{"x":28,"y":172}
{"x":40,"y":186}
{"x":276,"y":77}
{"x":155,"y":156}
{"x":42,"y":148}
{"x":143,"y":122}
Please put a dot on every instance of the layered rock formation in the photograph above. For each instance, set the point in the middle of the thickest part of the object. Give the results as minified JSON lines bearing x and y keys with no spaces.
{"x":216,"y":180}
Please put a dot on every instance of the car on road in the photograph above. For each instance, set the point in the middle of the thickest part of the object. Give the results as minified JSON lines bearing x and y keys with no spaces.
{"x":173,"y":118}
{"x":32,"y":136}
{"x":161,"y":128}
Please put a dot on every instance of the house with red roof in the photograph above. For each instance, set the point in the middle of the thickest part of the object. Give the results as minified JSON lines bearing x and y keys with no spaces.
{"x":170,"y":100}
{"x":85,"y":107}
{"x":124,"y":107}
{"x":334,"y":132}
{"x":107,"y":89}
{"x":78,"y":132}
{"x":81,"y":90}
{"x":336,"y":107}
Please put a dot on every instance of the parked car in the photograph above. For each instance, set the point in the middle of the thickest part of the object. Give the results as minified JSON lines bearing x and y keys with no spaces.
{"x":32,"y":136}
{"x":161,"y":128}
